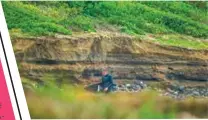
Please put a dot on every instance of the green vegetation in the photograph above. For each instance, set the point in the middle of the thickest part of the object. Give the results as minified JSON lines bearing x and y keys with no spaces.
{"x":74,"y":102}
{"x":182,"y":24}
{"x":47,"y":18}
{"x":181,"y":41}
{"x":29,"y":19}
{"x":101,"y":106}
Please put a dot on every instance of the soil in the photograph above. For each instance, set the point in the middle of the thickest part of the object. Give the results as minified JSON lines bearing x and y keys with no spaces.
{"x":80,"y":59}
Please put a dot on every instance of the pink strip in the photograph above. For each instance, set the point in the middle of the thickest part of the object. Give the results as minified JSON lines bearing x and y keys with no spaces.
{"x":6,"y":112}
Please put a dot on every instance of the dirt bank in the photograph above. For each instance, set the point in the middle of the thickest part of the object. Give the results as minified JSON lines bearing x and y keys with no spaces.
{"x":129,"y":58}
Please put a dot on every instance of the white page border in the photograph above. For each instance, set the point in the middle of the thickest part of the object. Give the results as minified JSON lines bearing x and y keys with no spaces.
{"x":23,"y":112}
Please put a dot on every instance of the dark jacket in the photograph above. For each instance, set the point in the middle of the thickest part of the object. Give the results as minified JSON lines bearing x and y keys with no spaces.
{"x":107,"y":80}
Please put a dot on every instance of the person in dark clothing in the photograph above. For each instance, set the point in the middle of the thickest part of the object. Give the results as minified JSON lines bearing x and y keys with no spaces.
{"x":106,"y":83}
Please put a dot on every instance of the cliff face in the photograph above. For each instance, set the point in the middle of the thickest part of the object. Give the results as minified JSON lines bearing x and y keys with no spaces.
{"x":81,"y":57}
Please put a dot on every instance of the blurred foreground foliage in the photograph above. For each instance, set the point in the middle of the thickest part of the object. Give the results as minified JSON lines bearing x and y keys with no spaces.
{"x":75,"y":102}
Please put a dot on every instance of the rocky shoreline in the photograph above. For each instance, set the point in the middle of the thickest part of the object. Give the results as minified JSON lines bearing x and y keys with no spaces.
{"x":173,"y":91}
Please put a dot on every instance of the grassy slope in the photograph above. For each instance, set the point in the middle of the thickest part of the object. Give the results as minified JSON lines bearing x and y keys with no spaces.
{"x":137,"y":18}
{"x":28,"y":19}
{"x":38,"y":18}
{"x":181,"y":41}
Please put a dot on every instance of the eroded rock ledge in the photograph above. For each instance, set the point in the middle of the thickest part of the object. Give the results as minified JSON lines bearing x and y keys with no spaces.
{"x":128,"y":57}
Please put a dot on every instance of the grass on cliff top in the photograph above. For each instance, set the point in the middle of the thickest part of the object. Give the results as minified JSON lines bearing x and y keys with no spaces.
{"x":184,"y":43}
{"x":71,"y":102}
{"x":133,"y":17}
{"x":181,"y":41}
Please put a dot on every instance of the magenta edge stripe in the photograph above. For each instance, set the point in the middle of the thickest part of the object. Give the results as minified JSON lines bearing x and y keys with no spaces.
{"x":10,"y":76}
